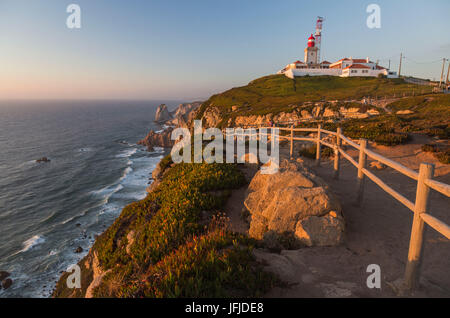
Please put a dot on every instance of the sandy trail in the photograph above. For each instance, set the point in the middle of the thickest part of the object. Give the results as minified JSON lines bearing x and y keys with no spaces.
{"x":378,"y":232}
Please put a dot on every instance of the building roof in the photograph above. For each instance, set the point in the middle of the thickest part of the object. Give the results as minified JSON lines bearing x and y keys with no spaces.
{"x":360,"y":61}
{"x":357,"y":66}
{"x":325,"y":62}
{"x":298,"y":62}
{"x":380,"y":67}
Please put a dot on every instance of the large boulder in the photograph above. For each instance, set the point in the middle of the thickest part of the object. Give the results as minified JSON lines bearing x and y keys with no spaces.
{"x":294,"y":201}
{"x":162,"y":113}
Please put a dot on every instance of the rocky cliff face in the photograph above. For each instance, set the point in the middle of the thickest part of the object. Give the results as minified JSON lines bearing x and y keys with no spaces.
{"x":331,"y":110}
{"x":185,"y":109}
{"x":181,"y":117}
{"x":162,"y":113}
{"x":294,"y":202}
{"x":154,"y":139}
{"x":184,"y":114}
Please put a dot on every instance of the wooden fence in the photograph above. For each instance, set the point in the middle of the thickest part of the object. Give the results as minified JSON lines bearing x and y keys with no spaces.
{"x":424,"y":178}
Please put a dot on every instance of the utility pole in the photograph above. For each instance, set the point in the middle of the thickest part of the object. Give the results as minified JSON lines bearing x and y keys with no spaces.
{"x":448,"y":71}
{"x":442,"y":73}
{"x":389,"y":65}
{"x":400,"y":66}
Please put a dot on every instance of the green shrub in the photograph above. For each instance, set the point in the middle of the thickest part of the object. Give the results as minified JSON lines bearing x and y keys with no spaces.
{"x":165,"y":162}
{"x":443,"y":157}
{"x":429,"y":148}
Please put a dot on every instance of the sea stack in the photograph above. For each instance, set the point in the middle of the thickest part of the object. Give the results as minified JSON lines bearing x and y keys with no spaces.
{"x":162,"y":113}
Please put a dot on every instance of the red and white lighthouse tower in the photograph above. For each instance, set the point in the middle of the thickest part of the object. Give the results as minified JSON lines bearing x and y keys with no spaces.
{"x":311,"y":51}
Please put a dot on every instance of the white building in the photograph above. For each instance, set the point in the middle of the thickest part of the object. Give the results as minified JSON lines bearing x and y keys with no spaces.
{"x":345,"y":67}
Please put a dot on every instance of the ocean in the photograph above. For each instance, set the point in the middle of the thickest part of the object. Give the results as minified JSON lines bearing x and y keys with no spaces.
{"x":49,"y":209}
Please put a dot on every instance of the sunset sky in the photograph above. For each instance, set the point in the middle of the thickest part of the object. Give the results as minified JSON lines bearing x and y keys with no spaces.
{"x":190,"y":49}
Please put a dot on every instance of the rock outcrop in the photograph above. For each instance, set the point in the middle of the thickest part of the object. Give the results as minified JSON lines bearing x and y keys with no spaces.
{"x":97,"y":273}
{"x":295,"y":202}
{"x":154,"y":139}
{"x":212,"y":117}
{"x":43,"y":159}
{"x":187,"y":108}
{"x":4,"y":275}
{"x":309,"y":110}
{"x":6,"y":283}
{"x":162,"y":114}
{"x":181,"y":117}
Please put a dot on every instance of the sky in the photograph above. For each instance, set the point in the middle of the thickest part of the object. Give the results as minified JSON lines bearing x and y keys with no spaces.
{"x":191,"y":49}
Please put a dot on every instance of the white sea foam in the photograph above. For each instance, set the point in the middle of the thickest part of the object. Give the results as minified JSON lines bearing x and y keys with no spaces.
{"x":158,"y":150}
{"x":125,"y":173}
{"x":30,"y":243}
{"x":127,"y":153}
{"x":53,"y":252}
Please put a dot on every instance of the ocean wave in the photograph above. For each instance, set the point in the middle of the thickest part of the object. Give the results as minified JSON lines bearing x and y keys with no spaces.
{"x":157,"y":150}
{"x":32,"y":242}
{"x":74,"y":217}
{"x":108,"y":191}
{"x":125,"y":173}
{"x":127,"y":153}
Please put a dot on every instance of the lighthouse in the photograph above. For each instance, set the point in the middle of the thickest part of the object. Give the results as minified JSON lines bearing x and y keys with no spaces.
{"x":311,"y":52}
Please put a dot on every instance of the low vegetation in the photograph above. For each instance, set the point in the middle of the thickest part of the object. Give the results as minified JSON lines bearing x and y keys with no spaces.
{"x":440,"y":153}
{"x":430,"y":114}
{"x":174,"y":243}
{"x":277,"y":93}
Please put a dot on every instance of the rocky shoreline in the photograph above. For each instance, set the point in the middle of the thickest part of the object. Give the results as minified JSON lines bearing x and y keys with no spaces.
{"x":182,"y":116}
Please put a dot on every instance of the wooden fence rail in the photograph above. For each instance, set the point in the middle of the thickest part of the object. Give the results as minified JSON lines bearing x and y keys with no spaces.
{"x":424,"y":179}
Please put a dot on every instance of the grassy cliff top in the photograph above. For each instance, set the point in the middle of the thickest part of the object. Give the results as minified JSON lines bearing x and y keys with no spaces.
{"x":276,"y":93}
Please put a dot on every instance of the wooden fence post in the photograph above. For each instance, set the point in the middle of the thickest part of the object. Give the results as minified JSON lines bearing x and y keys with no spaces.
{"x":361,"y":165}
{"x":292,"y":140}
{"x":319,"y":148}
{"x":412,"y":271}
{"x":337,"y":155}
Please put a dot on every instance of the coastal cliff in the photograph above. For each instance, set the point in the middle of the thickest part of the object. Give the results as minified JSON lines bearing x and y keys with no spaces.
{"x":177,"y":241}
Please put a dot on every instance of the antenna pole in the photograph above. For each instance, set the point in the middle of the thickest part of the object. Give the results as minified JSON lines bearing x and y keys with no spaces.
{"x":442,"y":73}
{"x":318,"y":36}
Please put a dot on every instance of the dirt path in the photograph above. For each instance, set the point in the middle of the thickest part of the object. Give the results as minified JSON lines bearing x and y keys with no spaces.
{"x":235,"y":204}
{"x":376,"y":233}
